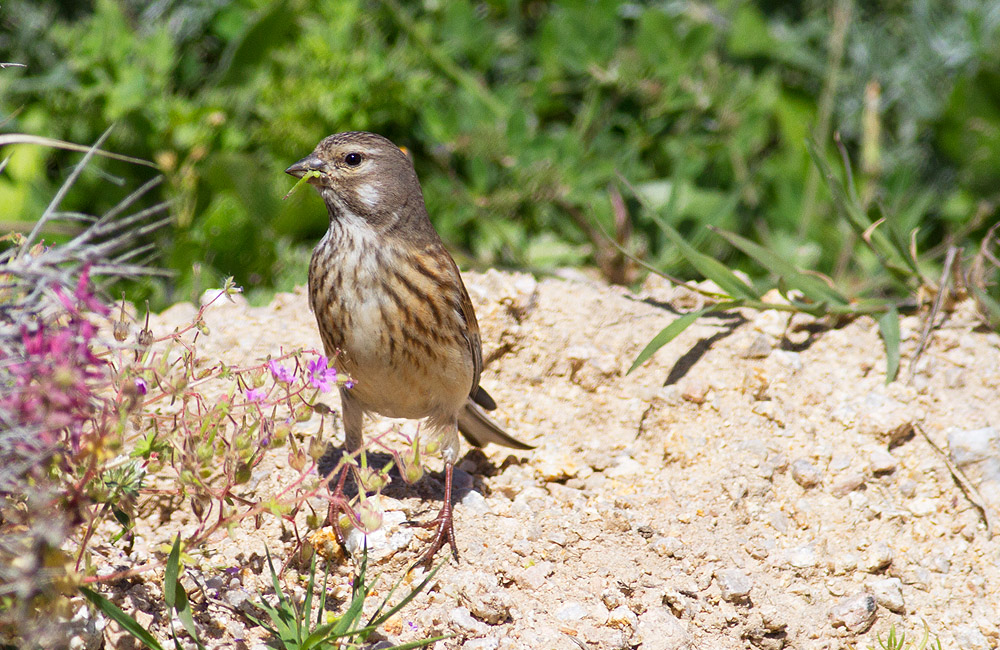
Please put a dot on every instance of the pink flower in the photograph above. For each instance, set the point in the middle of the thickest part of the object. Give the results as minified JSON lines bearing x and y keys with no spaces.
{"x":255,"y":395}
{"x":320,"y":375}
{"x":280,"y":372}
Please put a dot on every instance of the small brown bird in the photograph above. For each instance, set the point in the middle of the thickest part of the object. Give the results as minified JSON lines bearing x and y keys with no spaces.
{"x":391,"y":307}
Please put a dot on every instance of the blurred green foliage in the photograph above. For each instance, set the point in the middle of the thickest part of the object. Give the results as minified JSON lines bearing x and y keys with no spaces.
{"x":523,"y":118}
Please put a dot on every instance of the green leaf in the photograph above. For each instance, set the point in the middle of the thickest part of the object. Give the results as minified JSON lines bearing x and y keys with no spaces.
{"x":245,"y":54}
{"x":814,"y":288}
{"x":174,"y":594}
{"x":671,"y":331}
{"x":888,"y":327}
{"x":170,"y":574}
{"x":126,"y":622}
{"x":711,"y":268}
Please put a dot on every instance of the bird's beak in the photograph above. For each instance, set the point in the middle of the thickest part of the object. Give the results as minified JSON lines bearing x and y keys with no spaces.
{"x":310,"y":163}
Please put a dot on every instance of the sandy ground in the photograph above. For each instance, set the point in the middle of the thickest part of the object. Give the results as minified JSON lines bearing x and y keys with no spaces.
{"x":754,"y":485}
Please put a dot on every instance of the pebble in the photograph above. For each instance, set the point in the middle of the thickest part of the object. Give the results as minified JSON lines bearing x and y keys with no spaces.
{"x":534,"y":577}
{"x":847,"y":484}
{"x":939,"y":563}
{"x":967,"y":636}
{"x":888,"y":592}
{"x":476,"y":503}
{"x":967,"y":447}
{"x":625,"y":466}
{"x":486,"y":601}
{"x":462,"y":617}
{"x":802,"y":557}
{"x":759,"y":348}
{"x":856,"y":613}
{"x":977,"y":453}
{"x":922,"y":506}
{"x":885,"y":418}
{"x":612,"y":598}
{"x":482,"y":643}
{"x":845,"y":563}
{"x":789,"y":359}
{"x":778,"y":521}
{"x":668,"y":547}
{"x":882,"y":462}
{"x":623,"y":617}
{"x":878,"y":558}
{"x":571,"y":612}
{"x":695,"y":391}
{"x":734,"y":584}
{"x":658,"y":629}
{"x":805,"y":473}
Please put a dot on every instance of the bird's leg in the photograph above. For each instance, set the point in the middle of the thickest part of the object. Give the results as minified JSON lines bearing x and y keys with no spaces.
{"x":352,"y":415}
{"x":443,"y":522}
{"x":338,"y":505}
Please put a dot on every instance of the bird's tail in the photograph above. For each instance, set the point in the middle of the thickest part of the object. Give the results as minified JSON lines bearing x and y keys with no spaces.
{"x":479,"y":429}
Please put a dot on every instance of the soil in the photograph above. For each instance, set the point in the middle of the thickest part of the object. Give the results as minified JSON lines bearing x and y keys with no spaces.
{"x":756,"y":484}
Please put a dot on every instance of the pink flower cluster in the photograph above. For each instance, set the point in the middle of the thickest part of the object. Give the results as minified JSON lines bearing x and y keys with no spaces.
{"x":51,"y":388}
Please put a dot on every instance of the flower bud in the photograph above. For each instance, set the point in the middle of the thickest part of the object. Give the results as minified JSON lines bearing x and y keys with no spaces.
{"x":303,"y":413}
{"x":316,"y":447}
{"x":410,"y":466}
{"x":372,"y":480}
{"x":297,"y":460}
{"x":369,"y":516}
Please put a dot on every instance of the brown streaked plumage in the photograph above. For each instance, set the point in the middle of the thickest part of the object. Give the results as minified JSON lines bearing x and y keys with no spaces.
{"x":391,"y":307}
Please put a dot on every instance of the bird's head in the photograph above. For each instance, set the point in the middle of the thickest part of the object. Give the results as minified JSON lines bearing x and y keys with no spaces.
{"x":363,"y":174}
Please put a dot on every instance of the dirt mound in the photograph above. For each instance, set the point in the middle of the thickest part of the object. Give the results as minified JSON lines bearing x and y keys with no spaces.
{"x":755,"y":484}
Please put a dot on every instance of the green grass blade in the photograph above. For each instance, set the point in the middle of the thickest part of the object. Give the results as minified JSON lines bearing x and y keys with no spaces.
{"x":897,"y":262}
{"x":360,"y":591}
{"x":420,"y":644}
{"x":814,"y":288}
{"x":126,"y":622}
{"x":174,"y":594}
{"x":670,"y":332}
{"x":170,"y":574}
{"x":307,"y":605}
{"x":709,"y":267}
{"x":379,"y":619}
{"x":322,"y":598}
{"x":988,"y":305}
{"x":888,"y":327}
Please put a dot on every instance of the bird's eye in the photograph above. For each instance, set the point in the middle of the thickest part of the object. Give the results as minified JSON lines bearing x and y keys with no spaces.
{"x":353,"y":159}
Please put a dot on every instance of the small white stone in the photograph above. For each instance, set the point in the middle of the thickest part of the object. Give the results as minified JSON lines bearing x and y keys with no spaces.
{"x":802,"y":557}
{"x":734,"y":584}
{"x":623,"y":617}
{"x":922,"y":507}
{"x":571,"y":612}
{"x":888,"y":593}
{"x":856,"y":613}
{"x":461,"y":617}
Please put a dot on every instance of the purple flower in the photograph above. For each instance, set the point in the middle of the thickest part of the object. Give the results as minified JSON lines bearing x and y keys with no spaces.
{"x":141,"y":386}
{"x":255,"y":395}
{"x":349,"y":384}
{"x":280,"y":372}
{"x":320,"y":375}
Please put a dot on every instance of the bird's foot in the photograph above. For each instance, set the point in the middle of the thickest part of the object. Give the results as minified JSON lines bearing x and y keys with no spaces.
{"x":444,"y":523}
{"x":445,"y":532}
